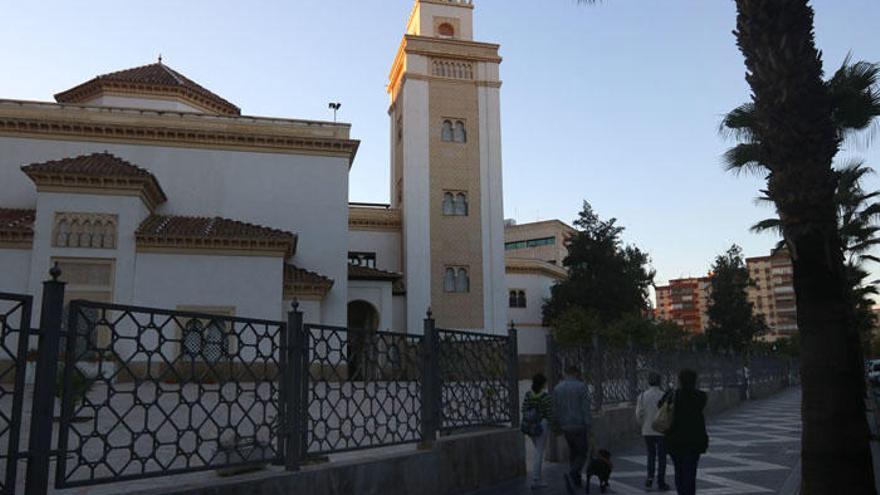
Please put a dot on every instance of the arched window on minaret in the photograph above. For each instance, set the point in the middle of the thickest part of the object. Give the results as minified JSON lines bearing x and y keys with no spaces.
{"x":445,"y":30}
{"x":448,"y":204}
{"x":460,"y":135}
{"x":449,"y":280}
{"x":461,"y":205}
{"x":447,"y":134}
{"x":462,"y":281}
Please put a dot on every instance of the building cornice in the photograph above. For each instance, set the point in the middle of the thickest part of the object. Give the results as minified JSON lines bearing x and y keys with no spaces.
{"x":532,"y":266}
{"x":212,"y":247}
{"x":179,"y":129}
{"x":97,"y":88}
{"x":142,"y":188}
{"x":376,"y":219}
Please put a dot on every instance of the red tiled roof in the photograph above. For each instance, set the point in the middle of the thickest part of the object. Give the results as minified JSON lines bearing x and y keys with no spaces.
{"x":299,"y":281}
{"x":151,"y":77}
{"x":356,"y":272}
{"x":17,"y":225}
{"x":94,"y":164}
{"x":17,"y":220}
{"x":212,"y":233}
{"x":96,"y":170}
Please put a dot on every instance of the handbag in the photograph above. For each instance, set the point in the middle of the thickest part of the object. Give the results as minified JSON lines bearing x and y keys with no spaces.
{"x":665,"y":415}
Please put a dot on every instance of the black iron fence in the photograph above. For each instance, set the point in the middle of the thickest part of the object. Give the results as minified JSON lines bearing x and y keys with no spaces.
{"x":616,"y":375}
{"x":148,"y":392}
{"x":15,"y":319}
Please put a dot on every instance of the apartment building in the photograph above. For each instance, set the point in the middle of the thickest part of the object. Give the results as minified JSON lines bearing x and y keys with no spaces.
{"x":772,"y":292}
{"x":684,"y":301}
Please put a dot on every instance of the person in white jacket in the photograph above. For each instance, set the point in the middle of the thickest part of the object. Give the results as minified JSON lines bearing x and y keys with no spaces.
{"x":655,"y":442}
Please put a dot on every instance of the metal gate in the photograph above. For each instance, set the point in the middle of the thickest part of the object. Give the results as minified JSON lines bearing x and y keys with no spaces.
{"x":15,"y":319}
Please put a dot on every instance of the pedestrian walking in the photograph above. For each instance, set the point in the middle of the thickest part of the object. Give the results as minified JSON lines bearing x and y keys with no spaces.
{"x":687,"y":439}
{"x":571,"y":405}
{"x":655,"y":442}
{"x":537,"y":423}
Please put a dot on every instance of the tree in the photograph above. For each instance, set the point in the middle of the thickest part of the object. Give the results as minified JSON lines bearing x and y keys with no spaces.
{"x":732,"y":322}
{"x":606,"y":278}
{"x":858,"y":216}
{"x":796,"y":138}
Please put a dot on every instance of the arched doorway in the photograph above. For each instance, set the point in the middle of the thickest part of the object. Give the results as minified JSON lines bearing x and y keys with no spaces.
{"x":363,"y":320}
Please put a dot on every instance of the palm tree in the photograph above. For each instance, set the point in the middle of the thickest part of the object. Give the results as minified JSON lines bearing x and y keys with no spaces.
{"x":796,"y":139}
{"x":858,"y":216}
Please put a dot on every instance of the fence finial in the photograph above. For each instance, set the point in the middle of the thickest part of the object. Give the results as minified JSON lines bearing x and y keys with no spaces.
{"x":294,"y":304}
{"x":55,"y":272}
{"x":428,"y":314}
{"x":511,"y":324}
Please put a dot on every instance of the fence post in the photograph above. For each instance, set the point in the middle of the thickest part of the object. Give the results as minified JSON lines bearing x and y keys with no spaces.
{"x":598,"y":373}
{"x":40,"y":441}
{"x":513,"y":374}
{"x":430,"y":382}
{"x":296,"y":379}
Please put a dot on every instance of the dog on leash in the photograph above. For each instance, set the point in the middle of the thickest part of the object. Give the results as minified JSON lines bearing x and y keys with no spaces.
{"x":600,"y":467}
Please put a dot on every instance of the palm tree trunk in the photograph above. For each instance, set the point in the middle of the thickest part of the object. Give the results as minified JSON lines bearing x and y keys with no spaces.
{"x":798,"y":138}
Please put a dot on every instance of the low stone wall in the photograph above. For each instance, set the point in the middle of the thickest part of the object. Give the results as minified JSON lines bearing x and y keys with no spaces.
{"x":455,"y":464}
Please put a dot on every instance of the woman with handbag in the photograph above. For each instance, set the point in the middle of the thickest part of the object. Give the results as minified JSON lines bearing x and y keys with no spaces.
{"x":537,"y":420}
{"x":686,"y":437}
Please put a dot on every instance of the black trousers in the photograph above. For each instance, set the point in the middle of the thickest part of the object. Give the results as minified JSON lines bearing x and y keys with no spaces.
{"x":686,"y":472}
{"x":656,"y":446}
{"x":578,"y":450}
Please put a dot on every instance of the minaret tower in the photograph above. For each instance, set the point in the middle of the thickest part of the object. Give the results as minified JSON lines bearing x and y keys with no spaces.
{"x":446,"y":169}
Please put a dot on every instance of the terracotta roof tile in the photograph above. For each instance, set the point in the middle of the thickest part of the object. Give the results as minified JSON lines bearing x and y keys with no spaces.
{"x":156,"y":76}
{"x":212,"y":233}
{"x":98,"y":170}
{"x":301,"y":282}
{"x":94,"y":164}
{"x":17,"y":226}
{"x":356,"y":272}
{"x":17,"y":220}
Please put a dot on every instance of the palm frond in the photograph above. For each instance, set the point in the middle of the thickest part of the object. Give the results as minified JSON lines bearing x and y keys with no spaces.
{"x":768,"y":224}
{"x":740,"y":123}
{"x":855,"y":95}
{"x":745,"y":158}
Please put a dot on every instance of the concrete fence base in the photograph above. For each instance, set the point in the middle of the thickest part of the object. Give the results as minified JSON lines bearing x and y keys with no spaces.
{"x":455,"y":464}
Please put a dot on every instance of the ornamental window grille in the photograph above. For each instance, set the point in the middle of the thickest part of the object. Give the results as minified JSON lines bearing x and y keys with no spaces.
{"x":447,"y":133}
{"x":517,"y":298}
{"x":455,"y":203}
{"x":84,"y":230}
{"x":456,"y":279}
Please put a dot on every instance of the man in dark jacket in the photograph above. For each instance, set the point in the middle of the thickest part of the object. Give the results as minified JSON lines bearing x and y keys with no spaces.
{"x":687,"y":439}
{"x":571,"y":403}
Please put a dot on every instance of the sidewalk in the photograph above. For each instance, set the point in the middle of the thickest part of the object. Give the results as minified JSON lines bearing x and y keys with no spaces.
{"x":754,"y":448}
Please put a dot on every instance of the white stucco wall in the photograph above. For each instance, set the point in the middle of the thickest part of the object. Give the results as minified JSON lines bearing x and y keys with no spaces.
{"x":306,"y":194}
{"x":528,"y":320}
{"x":492,"y":211}
{"x":386,"y":245}
{"x":377,"y":293}
{"x":398,"y":308}
{"x":416,"y":191}
{"x":15,"y":266}
{"x":311,"y":310}
{"x":130,"y":210}
{"x":146,"y":103}
{"x":250,"y":284}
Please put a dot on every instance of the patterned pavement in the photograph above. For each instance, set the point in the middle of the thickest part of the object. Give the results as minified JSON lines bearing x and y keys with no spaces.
{"x":753,"y":449}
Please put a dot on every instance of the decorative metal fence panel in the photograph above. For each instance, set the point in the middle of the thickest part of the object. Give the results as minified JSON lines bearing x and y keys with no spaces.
{"x":623,"y":372}
{"x":150,"y":392}
{"x":363,"y":389}
{"x":475,"y":389}
{"x":15,"y":319}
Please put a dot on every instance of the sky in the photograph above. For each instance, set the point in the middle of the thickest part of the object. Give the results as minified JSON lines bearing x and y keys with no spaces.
{"x":617,"y":104}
